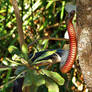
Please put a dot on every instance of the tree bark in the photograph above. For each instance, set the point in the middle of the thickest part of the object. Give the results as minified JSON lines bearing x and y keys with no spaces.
{"x":84,"y":34}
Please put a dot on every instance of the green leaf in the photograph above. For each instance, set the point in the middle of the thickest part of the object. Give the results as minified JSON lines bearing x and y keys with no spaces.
{"x":27,"y":80}
{"x":33,"y":78}
{"x":11,"y":22}
{"x":34,"y":88}
{"x":1,"y":17}
{"x":25,"y":48}
{"x":25,"y":51}
{"x":32,"y":9}
{"x":5,"y":62}
{"x":62,"y":10}
{"x":39,"y":80}
{"x":45,"y":43}
{"x":49,"y":4}
{"x":2,"y":11}
{"x":54,"y":75}
{"x":43,"y":62}
{"x":46,"y":54}
{"x":12,"y":49}
{"x":3,"y":69}
{"x":52,"y":86}
{"x":20,"y":69}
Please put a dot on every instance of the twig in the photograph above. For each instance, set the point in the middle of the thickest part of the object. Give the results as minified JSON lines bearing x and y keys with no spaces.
{"x":49,"y":38}
{"x":55,"y":25}
{"x":53,"y":38}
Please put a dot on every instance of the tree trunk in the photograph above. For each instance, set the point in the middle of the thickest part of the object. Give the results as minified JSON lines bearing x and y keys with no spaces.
{"x":84,"y":34}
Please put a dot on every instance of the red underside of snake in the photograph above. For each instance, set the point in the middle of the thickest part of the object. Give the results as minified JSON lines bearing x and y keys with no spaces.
{"x":73,"y":48}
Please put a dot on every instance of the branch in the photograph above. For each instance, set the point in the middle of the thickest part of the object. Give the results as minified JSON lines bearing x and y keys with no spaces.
{"x":19,"y":22}
{"x":48,"y":38}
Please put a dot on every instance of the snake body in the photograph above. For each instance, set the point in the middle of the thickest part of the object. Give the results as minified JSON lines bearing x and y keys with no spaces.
{"x":73,"y":46}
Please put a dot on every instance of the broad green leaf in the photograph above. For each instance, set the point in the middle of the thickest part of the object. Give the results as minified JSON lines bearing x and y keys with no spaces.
{"x":27,"y":80}
{"x":43,"y":62}
{"x":54,"y":75}
{"x":39,"y":80}
{"x":33,"y":78}
{"x":52,"y":86}
{"x":25,"y":51}
{"x":25,"y":48}
{"x":20,"y":69}
{"x":12,"y":49}
{"x":44,"y":55}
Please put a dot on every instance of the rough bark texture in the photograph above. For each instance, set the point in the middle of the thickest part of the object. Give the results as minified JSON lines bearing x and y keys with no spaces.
{"x":84,"y":34}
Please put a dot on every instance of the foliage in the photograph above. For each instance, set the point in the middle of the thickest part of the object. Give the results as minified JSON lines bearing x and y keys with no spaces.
{"x":42,"y":19}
